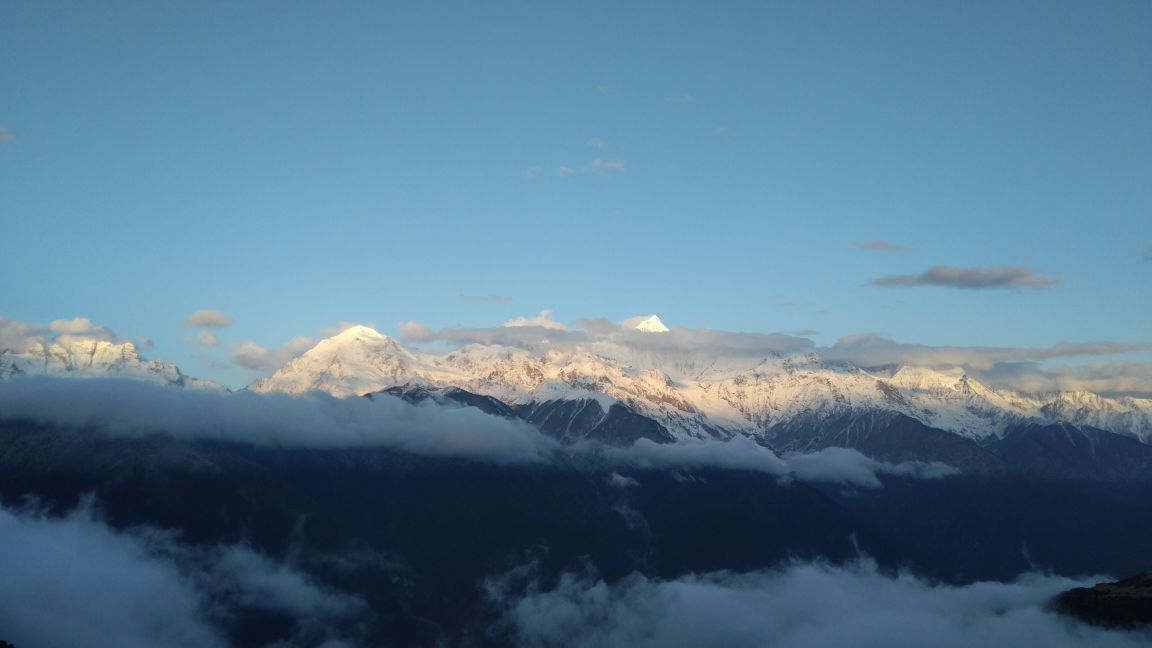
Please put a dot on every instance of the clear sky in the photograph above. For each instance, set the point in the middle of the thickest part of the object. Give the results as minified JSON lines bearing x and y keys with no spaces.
{"x":294,"y":165}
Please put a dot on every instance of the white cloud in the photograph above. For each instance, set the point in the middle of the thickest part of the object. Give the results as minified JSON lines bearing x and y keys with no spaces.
{"x":252,"y":355}
{"x":596,"y":142}
{"x":208,"y":319}
{"x":739,"y":453}
{"x":416,"y":332}
{"x":132,"y":408}
{"x":73,"y":581}
{"x":541,"y":320}
{"x":621,"y":481}
{"x":835,"y":465}
{"x":800,"y":605}
{"x":23,"y":336}
{"x":565,"y":171}
{"x":851,"y":468}
{"x":74,"y":326}
{"x":532,"y":172}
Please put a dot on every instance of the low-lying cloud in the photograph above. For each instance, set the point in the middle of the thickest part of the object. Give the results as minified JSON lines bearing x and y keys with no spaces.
{"x":800,"y":605}
{"x":971,"y":278}
{"x":135,"y":409}
{"x":843,"y":466}
{"x":315,"y":420}
{"x":73,"y":581}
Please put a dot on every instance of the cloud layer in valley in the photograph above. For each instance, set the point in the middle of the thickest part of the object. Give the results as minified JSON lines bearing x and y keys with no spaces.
{"x":135,"y":409}
{"x":808,"y":604}
{"x":140,"y":589}
{"x":139,"y":409}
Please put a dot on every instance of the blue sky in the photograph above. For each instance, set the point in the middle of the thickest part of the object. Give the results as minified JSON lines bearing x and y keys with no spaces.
{"x":294,"y":165}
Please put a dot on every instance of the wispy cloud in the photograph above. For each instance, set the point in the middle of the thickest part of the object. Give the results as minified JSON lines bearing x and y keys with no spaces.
{"x":680,"y":99}
{"x":872,"y":350}
{"x":532,"y":172}
{"x":971,"y":278}
{"x":494,"y":299}
{"x":880,"y":246}
{"x":208,"y":318}
{"x":596,"y":142}
{"x":598,"y":166}
{"x":603,"y":166}
{"x":204,"y":339}
{"x":6,"y":135}
{"x":603,"y":88}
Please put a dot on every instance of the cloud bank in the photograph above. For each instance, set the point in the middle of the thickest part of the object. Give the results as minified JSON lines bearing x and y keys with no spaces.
{"x":971,"y":278}
{"x":873,"y":350}
{"x":842,"y":466}
{"x":801,"y":605}
{"x":73,"y":581}
{"x":136,"y":409}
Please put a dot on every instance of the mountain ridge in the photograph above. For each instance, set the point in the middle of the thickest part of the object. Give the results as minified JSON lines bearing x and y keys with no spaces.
{"x":694,"y":397}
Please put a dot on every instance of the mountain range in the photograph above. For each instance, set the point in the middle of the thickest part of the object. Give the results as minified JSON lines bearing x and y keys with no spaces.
{"x":618,"y":390}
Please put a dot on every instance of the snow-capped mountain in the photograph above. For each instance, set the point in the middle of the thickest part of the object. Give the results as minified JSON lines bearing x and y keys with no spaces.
{"x":75,"y":356}
{"x":693,"y":396}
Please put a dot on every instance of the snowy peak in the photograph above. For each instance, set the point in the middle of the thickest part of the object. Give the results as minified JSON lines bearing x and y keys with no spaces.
{"x":689,"y":394}
{"x":651,"y":324}
{"x":359,"y":332}
{"x":353,"y":362}
{"x":81,"y":356}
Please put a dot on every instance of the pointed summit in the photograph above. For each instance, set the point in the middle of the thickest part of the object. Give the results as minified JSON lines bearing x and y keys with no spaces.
{"x":652,"y":325}
{"x":358,"y":331}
